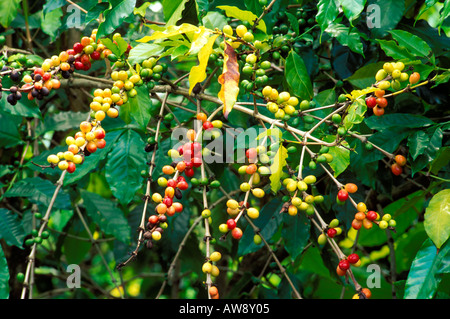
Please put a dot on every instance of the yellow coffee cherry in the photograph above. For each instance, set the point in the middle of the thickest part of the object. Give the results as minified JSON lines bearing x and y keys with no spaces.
{"x":381,"y":75}
{"x":215,"y":256}
{"x":53,"y":159}
{"x":241,"y":30}
{"x":388,"y":67}
{"x":253,"y":213}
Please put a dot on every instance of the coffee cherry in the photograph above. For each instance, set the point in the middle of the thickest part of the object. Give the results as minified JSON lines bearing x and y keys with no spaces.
{"x":231,"y":224}
{"x":414,"y":78}
{"x":340,"y":272}
{"x":215,"y":256}
{"x":257,"y":239}
{"x":342,"y":195}
{"x":356,"y":224}
{"x":351,"y":188}
{"x":371,"y":215}
{"x":383,"y":224}
{"x":396,"y":169}
{"x":367,"y":292}
{"x":236,"y":233}
{"x":344,"y":264}
{"x":353,"y":258}
{"x":371,"y":102}
{"x":400,"y":160}
{"x":331,"y":232}
{"x":322,"y":240}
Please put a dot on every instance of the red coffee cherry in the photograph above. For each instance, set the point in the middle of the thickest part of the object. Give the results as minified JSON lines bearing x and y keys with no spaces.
{"x":344,"y":264}
{"x":371,"y":102}
{"x":353,"y":258}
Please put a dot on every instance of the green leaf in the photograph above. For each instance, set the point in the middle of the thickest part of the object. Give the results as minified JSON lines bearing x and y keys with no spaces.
{"x":341,"y":156}
{"x":173,"y":10}
{"x":293,"y":22}
{"x":355,"y":114}
{"x":142,"y":9}
{"x":411,"y":42}
{"x":437,"y":218}
{"x":441,"y":78}
{"x":327,"y":12}
{"x":268,"y":222}
{"x":295,"y":233}
{"x":426,"y":271}
{"x":417,"y":143}
{"x":364,"y":77}
{"x":430,"y":152}
{"x":390,"y":13}
{"x":144,"y":51}
{"x":105,"y":213}
{"x":9,"y":135}
{"x":39,"y":191}
{"x":297,"y":77}
{"x":51,"y":23}
{"x":114,"y":17}
{"x":442,"y":159}
{"x":397,"y":120}
{"x":346,"y":36}
{"x":61,"y":121}
{"x":124,"y":166}
{"x":4,"y":276}
{"x":95,"y":11}
{"x":352,"y":8}
{"x":8,"y":11}
{"x":11,"y":229}
{"x":276,"y":169}
{"x":140,"y":107}
{"x":243,"y":15}
{"x":392,"y":49}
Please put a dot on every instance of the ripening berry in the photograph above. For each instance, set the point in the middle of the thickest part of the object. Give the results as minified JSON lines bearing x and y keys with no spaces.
{"x":396,"y":169}
{"x":371,"y":215}
{"x":215,"y":256}
{"x":367,"y":292}
{"x":53,"y":159}
{"x":356,"y":224}
{"x":351,"y":188}
{"x":383,"y":224}
{"x":253,"y":213}
{"x":361,"y":207}
{"x":241,"y":30}
{"x":360,"y":216}
{"x":340,"y":272}
{"x":157,"y":198}
{"x":231,"y":224}
{"x":367,"y":223}
{"x":414,"y":78}
{"x":237,"y":233}
{"x":400,"y":160}
{"x":322,"y":240}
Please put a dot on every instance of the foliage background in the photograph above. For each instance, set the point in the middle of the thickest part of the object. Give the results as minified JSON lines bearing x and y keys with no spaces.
{"x":347,"y":51}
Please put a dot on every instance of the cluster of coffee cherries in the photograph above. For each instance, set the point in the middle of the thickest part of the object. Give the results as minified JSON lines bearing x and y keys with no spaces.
{"x":304,"y":202}
{"x":154,"y":229}
{"x":234,"y":209}
{"x":332,"y":231}
{"x":86,"y":141}
{"x":399,"y":163}
{"x":344,"y":192}
{"x":210,"y":267}
{"x":365,"y":218}
{"x":281,"y":104}
{"x":390,"y":76}
{"x":255,"y":70}
{"x":344,"y":264}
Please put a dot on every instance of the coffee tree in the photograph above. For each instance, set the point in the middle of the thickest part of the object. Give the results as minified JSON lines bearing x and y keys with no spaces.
{"x":224,"y":149}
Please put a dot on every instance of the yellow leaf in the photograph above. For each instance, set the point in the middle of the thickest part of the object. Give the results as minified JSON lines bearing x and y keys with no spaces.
{"x":169,"y":31}
{"x":201,"y":37}
{"x":198,"y":72}
{"x":229,"y":79}
{"x":356,"y":94}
